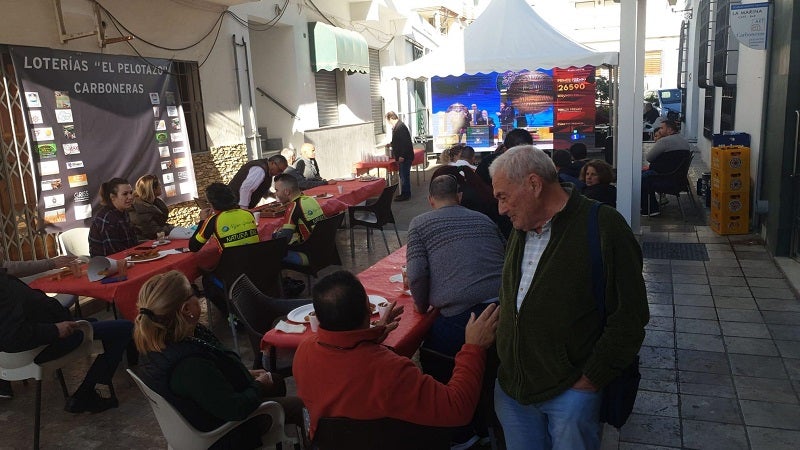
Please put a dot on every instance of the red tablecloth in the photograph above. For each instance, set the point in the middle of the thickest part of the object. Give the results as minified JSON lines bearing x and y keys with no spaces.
{"x":125,"y":293}
{"x":413,"y":325}
{"x":390,"y":165}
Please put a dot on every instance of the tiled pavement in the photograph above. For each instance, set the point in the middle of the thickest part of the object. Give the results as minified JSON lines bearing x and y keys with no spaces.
{"x":720,"y":362}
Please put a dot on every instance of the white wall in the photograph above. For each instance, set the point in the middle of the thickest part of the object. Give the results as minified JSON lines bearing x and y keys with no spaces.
{"x":33,"y":23}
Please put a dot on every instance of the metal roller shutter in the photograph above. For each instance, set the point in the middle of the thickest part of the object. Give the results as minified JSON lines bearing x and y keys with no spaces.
{"x":327,"y":98}
{"x":376,"y":100}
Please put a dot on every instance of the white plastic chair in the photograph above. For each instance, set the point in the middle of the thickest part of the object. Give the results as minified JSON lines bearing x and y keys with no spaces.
{"x":20,"y":366}
{"x":75,"y":242}
{"x":180,"y":434}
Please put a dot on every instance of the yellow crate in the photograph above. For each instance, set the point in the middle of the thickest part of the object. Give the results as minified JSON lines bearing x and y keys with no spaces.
{"x":730,"y":160}
{"x":731,"y":203}
{"x":728,"y":223}
{"x":732,"y":182}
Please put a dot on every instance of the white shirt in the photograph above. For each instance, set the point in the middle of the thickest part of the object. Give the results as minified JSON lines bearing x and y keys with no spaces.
{"x":254,"y":177}
{"x":535,"y":243}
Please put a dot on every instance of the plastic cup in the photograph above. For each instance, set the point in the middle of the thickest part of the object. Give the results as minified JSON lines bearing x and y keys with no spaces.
{"x":353,"y":175}
{"x":404,"y":271}
{"x":257,"y":215}
{"x":341,"y":189}
{"x":160,"y":236}
{"x":75,"y":266}
{"x":383,"y":309}
{"x":122,"y":267}
{"x":313,"y":321}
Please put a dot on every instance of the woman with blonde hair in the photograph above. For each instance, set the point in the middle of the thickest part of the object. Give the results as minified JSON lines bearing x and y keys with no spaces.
{"x":149,"y":213}
{"x":193,"y":371}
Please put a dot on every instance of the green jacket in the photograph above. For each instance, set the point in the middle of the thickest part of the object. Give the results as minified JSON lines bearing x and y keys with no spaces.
{"x":556,"y":336}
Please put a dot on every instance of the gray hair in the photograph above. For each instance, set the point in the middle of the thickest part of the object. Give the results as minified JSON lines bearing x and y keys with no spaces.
{"x":516,"y":163}
{"x":288,"y":153}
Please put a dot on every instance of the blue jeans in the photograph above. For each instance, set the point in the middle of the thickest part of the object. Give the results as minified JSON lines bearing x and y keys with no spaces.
{"x":570,"y":421}
{"x":405,"y":176}
{"x":115,"y":336}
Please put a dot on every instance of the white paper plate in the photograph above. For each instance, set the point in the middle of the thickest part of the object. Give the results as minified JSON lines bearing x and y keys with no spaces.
{"x":158,"y":243}
{"x":324,"y":196}
{"x":344,"y":179}
{"x":300,"y":314}
{"x":376,"y":300}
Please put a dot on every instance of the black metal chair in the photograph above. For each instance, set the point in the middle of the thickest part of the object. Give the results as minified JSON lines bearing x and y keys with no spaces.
{"x":320,"y":248}
{"x":343,"y":433}
{"x":377,"y":215}
{"x":674,"y":182}
{"x":261,"y":262}
{"x":258,"y":312}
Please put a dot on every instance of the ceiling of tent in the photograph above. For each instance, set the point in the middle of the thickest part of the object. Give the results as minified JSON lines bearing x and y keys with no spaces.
{"x":508,"y":35}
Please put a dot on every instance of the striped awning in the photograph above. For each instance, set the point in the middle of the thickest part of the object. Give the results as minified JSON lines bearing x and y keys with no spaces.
{"x":336,"y":48}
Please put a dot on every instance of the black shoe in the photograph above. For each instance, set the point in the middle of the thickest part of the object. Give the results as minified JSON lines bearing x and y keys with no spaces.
{"x":5,"y":389}
{"x":402,"y":198}
{"x":90,"y":402}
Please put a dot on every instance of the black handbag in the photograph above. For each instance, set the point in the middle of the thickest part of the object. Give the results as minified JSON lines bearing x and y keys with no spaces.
{"x":620,"y":394}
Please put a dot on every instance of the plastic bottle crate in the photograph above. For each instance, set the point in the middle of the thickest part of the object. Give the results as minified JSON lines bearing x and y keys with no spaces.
{"x":730,"y":160}
{"x":724,"y":224}
{"x":727,"y":203}
{"x":733,"y":182}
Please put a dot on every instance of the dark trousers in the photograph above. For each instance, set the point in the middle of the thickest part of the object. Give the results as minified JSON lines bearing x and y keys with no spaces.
{"x":115,"y":336}
{"x":405,"y":176}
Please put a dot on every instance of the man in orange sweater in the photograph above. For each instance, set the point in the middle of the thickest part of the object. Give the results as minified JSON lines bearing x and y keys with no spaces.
{"x":344,"y":371}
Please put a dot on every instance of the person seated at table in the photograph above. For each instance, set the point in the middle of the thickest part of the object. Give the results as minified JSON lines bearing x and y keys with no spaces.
{"x":462,"y":155}
{"x":598,"y":176}
{"x":344,"y":371}
{"x":579,"y":154}
{"x":29,"y":318}
{"x":563,"y":160}
{"x":149,"y":213}
{"x":253,"y":180}
{"x":290,"y":155}
{"x":111,"y":230}
{"x":308,"y":167}
{"x":302,"y":213}
{"x":230,"y":225}
{"x":188,"y":366}
{"x":665,"y":156}
{"x":436,"y":238}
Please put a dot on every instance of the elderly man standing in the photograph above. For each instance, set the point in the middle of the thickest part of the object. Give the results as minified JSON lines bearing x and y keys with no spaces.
{"x":403,"y":153}
{"x":555,"y":354}
{"x":253,"y":180}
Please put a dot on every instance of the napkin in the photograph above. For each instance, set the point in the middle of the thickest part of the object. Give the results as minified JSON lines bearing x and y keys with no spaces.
{"x":396,"y":278}
{"x":181,"y":233}
{"x":289,"y":328}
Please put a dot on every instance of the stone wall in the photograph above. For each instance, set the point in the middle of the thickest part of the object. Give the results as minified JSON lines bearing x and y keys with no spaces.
{"x":219,"y":164}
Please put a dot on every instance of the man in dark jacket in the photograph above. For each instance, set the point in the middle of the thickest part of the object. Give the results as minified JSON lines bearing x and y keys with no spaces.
{"x":556,"y":351}
{"x":29,"y":319}
{"x":403,"y":153}
{"x":253,"y":180}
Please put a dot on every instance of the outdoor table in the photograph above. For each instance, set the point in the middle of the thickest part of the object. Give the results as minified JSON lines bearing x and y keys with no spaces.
{"x":389,"y":166}
{"x":125,"y":293}
{"x":354,"y":192}
{"x":412,"y":328}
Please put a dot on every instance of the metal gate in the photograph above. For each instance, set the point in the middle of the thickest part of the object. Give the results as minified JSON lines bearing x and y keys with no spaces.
{"x":19,"y":238}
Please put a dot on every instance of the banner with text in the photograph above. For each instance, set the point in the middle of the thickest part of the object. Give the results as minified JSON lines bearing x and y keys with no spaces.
{"x":93,"y":117}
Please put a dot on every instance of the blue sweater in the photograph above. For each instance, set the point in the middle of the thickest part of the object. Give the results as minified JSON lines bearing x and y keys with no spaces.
{"x":455,"y":259}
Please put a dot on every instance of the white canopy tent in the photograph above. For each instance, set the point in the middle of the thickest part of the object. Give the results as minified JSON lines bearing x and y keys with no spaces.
{"x":508,"y":35}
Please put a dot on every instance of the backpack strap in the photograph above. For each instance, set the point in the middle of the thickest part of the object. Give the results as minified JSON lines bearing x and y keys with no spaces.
{"x":598,"y":276}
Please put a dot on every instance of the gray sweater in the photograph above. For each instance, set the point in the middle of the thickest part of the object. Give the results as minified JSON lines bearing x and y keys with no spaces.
{"x":667,"y":144}
{"x":454,"y":258}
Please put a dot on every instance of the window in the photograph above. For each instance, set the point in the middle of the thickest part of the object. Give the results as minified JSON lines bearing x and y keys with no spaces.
{"x":327,"y":97}
{"x":708,"y":113}
{"x":652,"y":62}
{"x":726,"y":47}
{"x":376,"y":100}
{"x":705,"y":54}
{"x":188,"y":79}
{"x":727,"y":112}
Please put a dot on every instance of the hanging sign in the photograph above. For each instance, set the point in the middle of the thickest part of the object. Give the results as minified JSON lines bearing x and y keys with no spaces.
{"x":93,"y":117}
{"x":750,"y":24}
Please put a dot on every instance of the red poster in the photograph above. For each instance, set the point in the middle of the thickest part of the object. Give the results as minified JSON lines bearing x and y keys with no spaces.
{"x":574,"y":107}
